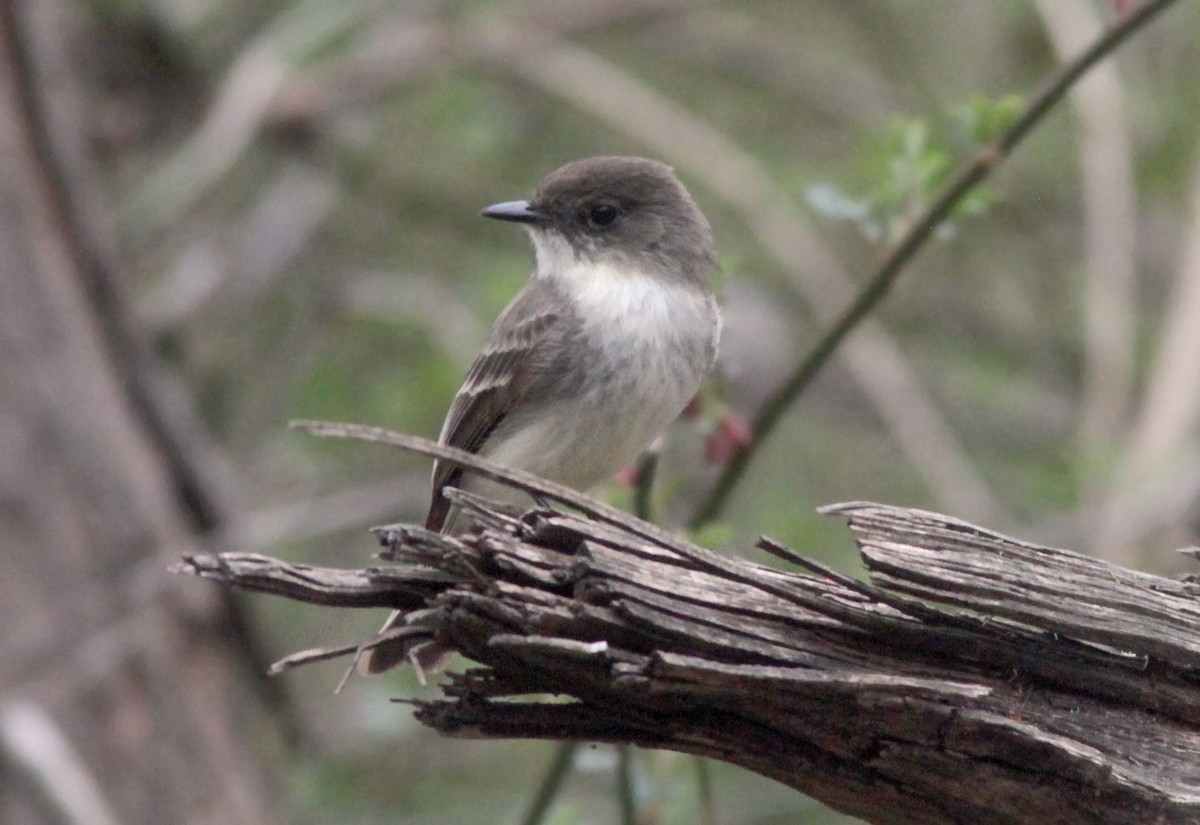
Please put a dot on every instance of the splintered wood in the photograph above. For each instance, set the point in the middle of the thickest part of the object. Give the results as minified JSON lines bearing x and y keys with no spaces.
{"x":974,"y":678}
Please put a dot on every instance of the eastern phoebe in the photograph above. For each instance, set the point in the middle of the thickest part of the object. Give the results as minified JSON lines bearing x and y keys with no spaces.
{"x":603,"y":347}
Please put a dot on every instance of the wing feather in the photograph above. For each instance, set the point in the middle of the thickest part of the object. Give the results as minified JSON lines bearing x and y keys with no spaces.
{"x":513,"y":358}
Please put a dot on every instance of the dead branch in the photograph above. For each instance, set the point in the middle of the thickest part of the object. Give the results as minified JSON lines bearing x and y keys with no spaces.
{"x":974,"y":679}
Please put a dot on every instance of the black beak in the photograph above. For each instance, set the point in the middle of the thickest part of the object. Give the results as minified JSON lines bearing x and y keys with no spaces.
{"x":515,"y":211}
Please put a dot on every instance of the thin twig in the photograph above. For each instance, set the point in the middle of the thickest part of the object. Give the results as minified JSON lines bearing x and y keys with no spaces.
{"x":625,"y":797}
{"x":643,"y":490}
{"x":985,"y":162}
{"x":517,"y":479}
{"x":643,"y":484}
{"x":564,"y":755}
{"x":704,"y":792}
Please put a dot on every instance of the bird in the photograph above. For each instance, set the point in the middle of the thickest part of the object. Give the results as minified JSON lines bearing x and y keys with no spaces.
{"x":603,"y":347}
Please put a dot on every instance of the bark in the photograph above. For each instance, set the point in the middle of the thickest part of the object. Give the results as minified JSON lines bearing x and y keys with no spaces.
{"x":974,"y":679}
{"x":122,"y":695}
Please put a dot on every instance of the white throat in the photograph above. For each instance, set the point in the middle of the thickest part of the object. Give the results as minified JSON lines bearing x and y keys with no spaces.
{"x":622,"y":305}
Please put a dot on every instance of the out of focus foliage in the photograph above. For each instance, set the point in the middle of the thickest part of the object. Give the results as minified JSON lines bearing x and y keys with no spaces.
{"x":298,"y":184}
{"x":909,"y":167}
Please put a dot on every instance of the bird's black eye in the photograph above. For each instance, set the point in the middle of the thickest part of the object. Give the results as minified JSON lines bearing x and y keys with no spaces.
{"x":602,"y":214}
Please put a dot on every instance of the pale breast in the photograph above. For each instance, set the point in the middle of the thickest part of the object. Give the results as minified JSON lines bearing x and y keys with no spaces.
{"x":650,"y":343}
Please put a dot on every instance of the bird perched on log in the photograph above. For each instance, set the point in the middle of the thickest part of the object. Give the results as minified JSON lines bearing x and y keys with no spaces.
{"x":603,"y":347}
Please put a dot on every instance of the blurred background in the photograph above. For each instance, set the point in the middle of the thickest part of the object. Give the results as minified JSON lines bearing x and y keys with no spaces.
{"x":284,"y":197}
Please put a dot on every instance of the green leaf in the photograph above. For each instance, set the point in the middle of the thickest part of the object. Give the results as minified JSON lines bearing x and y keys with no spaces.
{"x":909,"y":166}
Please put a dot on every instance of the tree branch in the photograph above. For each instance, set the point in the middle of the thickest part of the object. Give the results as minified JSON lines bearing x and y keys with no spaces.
{"x":974,"y":173}
{"x":1110,"y":217}
{"x":975,"y":678}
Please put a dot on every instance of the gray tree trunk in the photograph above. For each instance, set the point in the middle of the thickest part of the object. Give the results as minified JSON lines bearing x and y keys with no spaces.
{"x":123,"y":696}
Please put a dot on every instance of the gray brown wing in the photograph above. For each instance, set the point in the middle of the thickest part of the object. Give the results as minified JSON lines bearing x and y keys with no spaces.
{"x":512,"y":359}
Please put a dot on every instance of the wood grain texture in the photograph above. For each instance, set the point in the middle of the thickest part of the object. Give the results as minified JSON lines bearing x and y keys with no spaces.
{"x":975,"y":678}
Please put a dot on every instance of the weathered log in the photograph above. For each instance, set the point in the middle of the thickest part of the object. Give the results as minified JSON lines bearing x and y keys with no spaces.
{"x":975,"y":678}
